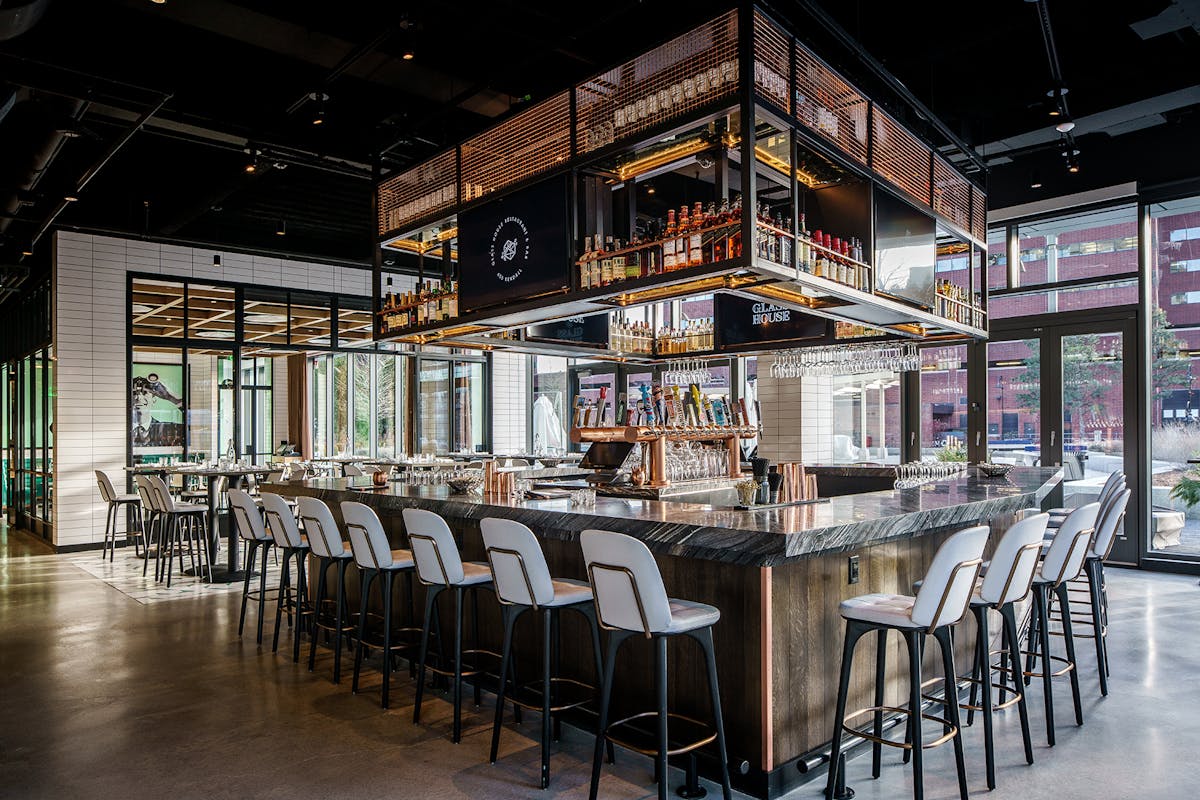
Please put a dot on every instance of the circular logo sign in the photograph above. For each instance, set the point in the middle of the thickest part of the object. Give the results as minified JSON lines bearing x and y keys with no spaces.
{"x":509,"y":251}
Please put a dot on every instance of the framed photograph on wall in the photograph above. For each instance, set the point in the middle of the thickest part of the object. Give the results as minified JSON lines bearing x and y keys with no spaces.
{"x":156,"y":409}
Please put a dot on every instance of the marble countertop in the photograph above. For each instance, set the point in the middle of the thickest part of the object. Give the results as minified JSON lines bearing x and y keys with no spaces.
{"x":768,"y":537}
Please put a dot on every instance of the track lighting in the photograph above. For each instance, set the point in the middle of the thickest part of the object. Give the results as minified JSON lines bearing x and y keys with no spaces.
{"x":216,"y":259}
{"x":252,"y":164}
{"x":71,"y":198}
{"x":318,"y":99}
{"x":27,"y":252}
{"x":1035,"y":180}
{"x":281,"y":228}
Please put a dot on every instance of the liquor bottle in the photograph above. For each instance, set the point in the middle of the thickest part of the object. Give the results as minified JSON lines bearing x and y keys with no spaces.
{"x":719,"y":236}
{"x":820,"y":261}
{"x":696,"y":239}
{"x":585,"y":272}
{"x":453,"y":299}
{"x":633,"y":259}
{"x":606,"y":262}
{"x":669,"y":243}
{"x":802,"y":248}
{"x":734,"y":248}
{"x":683,"y":240}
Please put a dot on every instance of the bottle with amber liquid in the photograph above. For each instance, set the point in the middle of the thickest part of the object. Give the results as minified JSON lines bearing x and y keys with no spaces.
{"x":683,"y":239}
{"x":668,"y":261}
{"x":696,"y":239}
{"x":734,"y":248}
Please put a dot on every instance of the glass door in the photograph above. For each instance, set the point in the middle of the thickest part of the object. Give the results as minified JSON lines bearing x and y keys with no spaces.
{"x":1065,"y":398}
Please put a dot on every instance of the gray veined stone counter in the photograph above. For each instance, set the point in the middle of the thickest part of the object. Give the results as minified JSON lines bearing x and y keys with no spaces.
{"x":769,"y":537}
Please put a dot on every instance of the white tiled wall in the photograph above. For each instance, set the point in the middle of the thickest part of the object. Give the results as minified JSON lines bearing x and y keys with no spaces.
{"x":510,"y":402}
{"x":797,"y":417}
{"x":89,"y":334}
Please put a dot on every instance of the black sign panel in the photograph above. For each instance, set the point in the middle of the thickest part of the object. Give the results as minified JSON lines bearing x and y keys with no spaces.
{"x":744,"y":322}
{"x":515,"y":247}
{"x":905,"y":250}
{"x":580,"y":330}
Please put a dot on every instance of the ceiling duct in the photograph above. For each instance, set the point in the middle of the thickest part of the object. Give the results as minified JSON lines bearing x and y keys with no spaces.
{"x":20,"y":16}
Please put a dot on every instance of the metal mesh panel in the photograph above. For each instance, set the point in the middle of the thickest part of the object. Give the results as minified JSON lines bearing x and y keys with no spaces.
{"x":421,"y":191}
{"x":518,"y":148}
{"x":827,"y":104}
{"x":772,"y":61}
{"x":951,"y":194}
{"x":978,"y":214}
{"x":901,"y":158}
{"x":671,"y":80}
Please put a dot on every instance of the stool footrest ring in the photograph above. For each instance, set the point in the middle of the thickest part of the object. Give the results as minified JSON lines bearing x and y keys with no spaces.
{"x":466,"y":673}
{"x":646,"y":743}
{"x":1069,"y":665}
{"x":535,"y":688}
{"x":945,"y":737}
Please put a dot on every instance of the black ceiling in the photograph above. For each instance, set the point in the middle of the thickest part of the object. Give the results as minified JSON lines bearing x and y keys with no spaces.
{"x":232,"y":75}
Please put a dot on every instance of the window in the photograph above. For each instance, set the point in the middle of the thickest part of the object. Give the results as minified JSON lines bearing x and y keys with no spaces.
{"x":1090,"y":244}
{"x":550,"y":405}
{"x":943,"y":390}
{"x":320,"y":406}
{"x":433,"y":406}
{"x":866,"y":418}
{"x":1185,"y":298}
{"x":1188,"y":265}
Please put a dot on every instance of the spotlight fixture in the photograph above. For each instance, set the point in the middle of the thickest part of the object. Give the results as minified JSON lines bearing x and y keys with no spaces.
{"x":408,"y":54}
{"x":281,"y":228}
{"x":216,"y":259}
{"x":252,"y":165}
{"x":318,"y":99}
{"x":71,"y":198}
{"x":1072,"y":160}
{"x":649,"y":188}
{"x":1035,"y":180}
{"x":27,"y":251}
{"x":1066,"y":126}
{"x":159,"y":2}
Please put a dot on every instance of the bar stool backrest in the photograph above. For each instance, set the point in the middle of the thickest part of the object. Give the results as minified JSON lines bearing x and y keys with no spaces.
{"x":1109,"y":523}
{"x":1110,"y":485}
{"x":352,"y":470}
{"x":950,"y":580}
{"x":249,"y":518}
{"x":280,"y":521}
{"x":323,"y":535}
{"x":146,"y":492}
{"x":1015,"y":561}
{"x":433,"y":548}
{"x":106,"y":487}
{"x":161,"y":493}
{"x":626,"y":582}
{"x":519,"y":570}
{"x":367,"y":540}
{"x":1070,"y":545}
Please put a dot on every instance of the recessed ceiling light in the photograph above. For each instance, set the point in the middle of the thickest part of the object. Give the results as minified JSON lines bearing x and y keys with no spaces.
{"x":281,"y":228}
{"x":408,"y":55}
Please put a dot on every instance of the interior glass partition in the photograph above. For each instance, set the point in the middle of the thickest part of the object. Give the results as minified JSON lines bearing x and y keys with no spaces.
{"x":433,"y":406}
{"x":943,"y":432}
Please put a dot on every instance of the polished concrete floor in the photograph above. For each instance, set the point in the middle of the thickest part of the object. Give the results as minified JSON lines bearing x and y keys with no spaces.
{"x":106,"y":696}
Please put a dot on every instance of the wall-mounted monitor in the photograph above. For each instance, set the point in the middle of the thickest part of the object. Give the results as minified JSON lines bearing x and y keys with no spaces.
{"x":514,"y":248}
{"x":905,"y":250}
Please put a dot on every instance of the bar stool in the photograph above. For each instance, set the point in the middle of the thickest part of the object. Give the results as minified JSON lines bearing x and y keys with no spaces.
{"x":1093,"y":570}
{"x":1008,"y":580}
{"x":352,"y":470}
{"x":1063,"y":562}
{"x":327,"y":545}
{"x":523,"y":583}
{"x":115,"y":503}
{"x":179,"y":523}
{"x":440,"y":568}
{"x":254,"y":533}
{"x":1113,"y":484}
{"x":282,"y":525}
{"x":150,"y":518}
{"x":631,"y":600}
{"x":376,"y":559}
{"x":941,"y":602}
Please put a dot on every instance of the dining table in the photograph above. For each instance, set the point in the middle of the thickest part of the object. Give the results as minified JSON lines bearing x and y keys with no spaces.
{"x":231,"y":572}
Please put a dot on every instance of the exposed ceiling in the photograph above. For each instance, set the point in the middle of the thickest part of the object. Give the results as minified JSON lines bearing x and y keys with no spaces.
{"x":166,"y":98}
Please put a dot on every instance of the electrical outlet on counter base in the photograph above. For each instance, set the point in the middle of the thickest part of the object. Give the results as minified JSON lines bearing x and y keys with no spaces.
{"x":852,"y":570}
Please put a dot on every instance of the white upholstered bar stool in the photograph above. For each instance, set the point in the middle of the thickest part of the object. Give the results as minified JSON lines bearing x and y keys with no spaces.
{"x":939,"y":604}
{"x":330,"y":551}
{"x":281,"y":523}
{"x":151,"y":528}
{"x":1062,"y":563}
{"x":352,"y":470}
{"x":1008,"y":580}
{"x":631,"y":600}
{"x":376,"y":559}
{"x":253,"y":532}
{"x":115,"y":503}
{"x":440,"y":568}
{"x":180,"y":524}
{"x":1110,"y":523}
{"x":1114,"y":483}
{"x":523,"y":583}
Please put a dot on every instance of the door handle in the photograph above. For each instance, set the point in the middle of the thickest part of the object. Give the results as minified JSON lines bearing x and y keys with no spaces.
{"x":1053,"y":434}
{"x":977,"y":435}
{"x":912,"y":438}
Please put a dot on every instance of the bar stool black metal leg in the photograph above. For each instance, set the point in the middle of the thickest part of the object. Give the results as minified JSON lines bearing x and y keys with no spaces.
{"x":660,"y":673}
{"x":340,"y":618}
{"x":555,"y":669}
{"x":412,"y":618}
{"x":880,"y":667}
{"x":1064,"y":602}
{"x":509,"y":614}
{"x":615,"y":638}
{"x":854,"y":631}
{"x":366,"y":577}
{"x":456,"y":734}
{"x":172,"y":546}
{"x":302,"y":605}
{"x":431,"y":593}
{"x":386,"y":589}
{"x":705,"y":637}
{"x":1013,"y":640}
{"x":547,"y":643}
{"x":984,"y":675}
{"x":946,"y":642}
{"x":476,"y":683}
{"x":914,"y":709}
{"x":1093,"y":579}
{"x":1041,"y":599}
{"x":588,"y":610}
{"x":322,"y":568}
{"x":282,"y":600}
{"x":262,"y":588}
{"x":251,"y":549}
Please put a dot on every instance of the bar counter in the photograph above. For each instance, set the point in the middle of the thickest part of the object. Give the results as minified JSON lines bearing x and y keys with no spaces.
{"x":778,"y":576}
